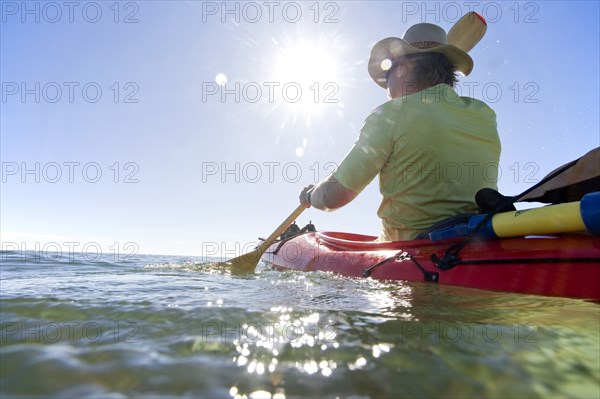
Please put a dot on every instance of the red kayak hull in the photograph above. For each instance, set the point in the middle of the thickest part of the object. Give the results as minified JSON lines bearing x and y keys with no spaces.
{"x":564,"y":266}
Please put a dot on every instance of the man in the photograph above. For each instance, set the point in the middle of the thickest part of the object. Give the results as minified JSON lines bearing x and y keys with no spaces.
{"x":432,"y":149}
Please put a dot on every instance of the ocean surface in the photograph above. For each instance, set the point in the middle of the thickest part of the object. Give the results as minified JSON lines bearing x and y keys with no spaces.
{"x":168,"y":326}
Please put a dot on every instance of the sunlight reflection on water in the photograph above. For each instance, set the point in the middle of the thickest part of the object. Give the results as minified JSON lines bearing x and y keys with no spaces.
{"x":169,"y":327}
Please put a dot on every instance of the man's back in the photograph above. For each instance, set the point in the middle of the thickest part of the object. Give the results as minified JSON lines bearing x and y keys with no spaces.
{"x":433,"y":151}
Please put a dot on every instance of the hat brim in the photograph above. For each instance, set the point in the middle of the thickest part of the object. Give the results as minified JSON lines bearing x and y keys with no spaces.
{"x":392,"y":48}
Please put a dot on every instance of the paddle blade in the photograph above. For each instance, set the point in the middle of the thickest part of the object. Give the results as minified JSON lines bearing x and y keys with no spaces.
{"x":467,"y":31}
{"x":246,"y":262}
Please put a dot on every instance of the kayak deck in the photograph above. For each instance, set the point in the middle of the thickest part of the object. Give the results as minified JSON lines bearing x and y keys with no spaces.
{"x":563,"y":265}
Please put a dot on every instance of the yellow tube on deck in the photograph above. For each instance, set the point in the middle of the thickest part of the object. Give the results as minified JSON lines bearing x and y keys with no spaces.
{"x":562,"y":218}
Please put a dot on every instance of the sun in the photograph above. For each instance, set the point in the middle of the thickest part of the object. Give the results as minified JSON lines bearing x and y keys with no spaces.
{"x":307,"y":74}
{"x":306,"y":64}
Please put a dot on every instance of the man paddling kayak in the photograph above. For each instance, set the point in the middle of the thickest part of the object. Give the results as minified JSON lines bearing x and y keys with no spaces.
{"x":432,"y":149}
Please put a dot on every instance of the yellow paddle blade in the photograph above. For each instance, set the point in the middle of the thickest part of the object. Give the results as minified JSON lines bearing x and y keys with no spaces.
{"x":248,"y":262}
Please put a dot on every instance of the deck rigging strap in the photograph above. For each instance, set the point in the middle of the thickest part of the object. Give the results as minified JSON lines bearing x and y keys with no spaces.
{"x":451,"y":257}
{"x":402,"y":255}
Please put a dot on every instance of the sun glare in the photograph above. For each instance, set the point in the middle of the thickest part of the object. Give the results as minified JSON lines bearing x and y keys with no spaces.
{"x":306,"y":65}
{"x":308,"y":78}
{"x":306,"y":74}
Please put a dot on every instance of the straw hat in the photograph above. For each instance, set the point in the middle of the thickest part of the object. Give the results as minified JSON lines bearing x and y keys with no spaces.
{"x":419,"y":38}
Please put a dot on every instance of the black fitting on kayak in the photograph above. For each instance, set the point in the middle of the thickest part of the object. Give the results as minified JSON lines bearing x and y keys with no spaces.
{"x":294,"y":230}
{"x":434,"y":277}
{"x":447,"y":262}
{"x":309,"y":227}
{"x":290,"y":231}
{"x":489,"y":200}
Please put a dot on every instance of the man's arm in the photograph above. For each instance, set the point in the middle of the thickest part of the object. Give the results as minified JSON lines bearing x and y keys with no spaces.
{"x":328,"y":195}
{"x":359,"y":167}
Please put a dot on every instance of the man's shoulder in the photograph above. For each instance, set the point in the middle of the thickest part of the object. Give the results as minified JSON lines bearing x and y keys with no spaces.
{"x":436,"y":100}
{"x":474,"y":103}
{"x":391,"y":108}
{"x":384,"y":108}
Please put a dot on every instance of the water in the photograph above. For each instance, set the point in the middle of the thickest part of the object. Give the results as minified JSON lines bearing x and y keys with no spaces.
{"x":165,"y":326}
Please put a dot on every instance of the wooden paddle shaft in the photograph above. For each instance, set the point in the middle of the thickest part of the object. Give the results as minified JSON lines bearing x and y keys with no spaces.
{"x":284,"y":225}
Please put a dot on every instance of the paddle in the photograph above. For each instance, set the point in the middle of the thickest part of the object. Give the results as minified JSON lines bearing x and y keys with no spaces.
{"x":467,"y":31}
{"x":248,"y":262}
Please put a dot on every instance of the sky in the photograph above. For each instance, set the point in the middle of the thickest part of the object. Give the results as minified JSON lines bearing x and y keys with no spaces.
{"x":189,"y":128}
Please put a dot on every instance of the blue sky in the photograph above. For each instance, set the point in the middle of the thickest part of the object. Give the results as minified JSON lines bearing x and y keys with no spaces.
{"x":128,"y":90}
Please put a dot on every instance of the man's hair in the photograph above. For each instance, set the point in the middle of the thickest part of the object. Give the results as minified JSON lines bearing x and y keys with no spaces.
{"x":429,"y":69}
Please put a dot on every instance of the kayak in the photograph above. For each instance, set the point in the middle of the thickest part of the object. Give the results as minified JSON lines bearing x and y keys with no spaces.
{"x":564,"y":265}
{"x":552,"y":250}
